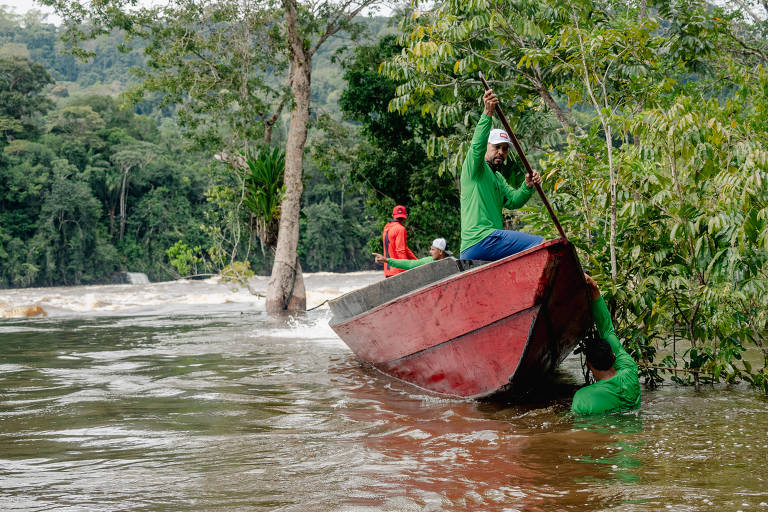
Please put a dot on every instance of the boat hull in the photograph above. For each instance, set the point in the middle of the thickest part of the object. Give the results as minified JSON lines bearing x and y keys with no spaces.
{"x":494,"y":329}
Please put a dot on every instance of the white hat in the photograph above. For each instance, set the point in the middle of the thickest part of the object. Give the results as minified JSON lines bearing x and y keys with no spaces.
{"x":498,"y":137}
{"x":440,"y":243}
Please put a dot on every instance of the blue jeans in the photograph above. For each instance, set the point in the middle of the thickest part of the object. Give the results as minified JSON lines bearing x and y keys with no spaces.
{"x":500,"y":244}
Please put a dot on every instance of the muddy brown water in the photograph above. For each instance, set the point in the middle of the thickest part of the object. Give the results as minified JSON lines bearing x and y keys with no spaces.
{"x":225,"y":409}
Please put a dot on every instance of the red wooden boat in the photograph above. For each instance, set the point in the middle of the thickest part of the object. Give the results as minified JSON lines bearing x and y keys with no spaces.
{"x":471,"y":329}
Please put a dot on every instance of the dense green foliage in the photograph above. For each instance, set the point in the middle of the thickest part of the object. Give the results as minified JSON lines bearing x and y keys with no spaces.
{"x":30,"y":37}
{"x":335,"y":226}
{"x":264,"y":190}
{"x":391,"y":162}
{"x":90,"y":189}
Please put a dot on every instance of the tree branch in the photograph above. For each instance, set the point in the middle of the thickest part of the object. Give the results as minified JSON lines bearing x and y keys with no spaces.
{"x":339,"y":20}
{"x":749,"y":11}
{"x":749,"y":49}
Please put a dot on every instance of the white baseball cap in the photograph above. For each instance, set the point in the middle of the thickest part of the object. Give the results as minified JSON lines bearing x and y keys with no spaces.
{"x":440,"y":243}
{"x":498,"y":137}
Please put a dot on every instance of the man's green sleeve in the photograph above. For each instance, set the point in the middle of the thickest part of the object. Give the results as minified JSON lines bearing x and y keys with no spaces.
{"x":605,"y":330}
{"x":409,"y":264}
{"x":474,"y":163}
{"x":514,"y":197}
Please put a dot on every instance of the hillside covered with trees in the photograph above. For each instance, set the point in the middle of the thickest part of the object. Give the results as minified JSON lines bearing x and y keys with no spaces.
{"x":93,"y":184}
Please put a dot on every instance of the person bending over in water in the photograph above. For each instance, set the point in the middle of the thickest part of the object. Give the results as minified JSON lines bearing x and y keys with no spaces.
{"x":616,"y":386}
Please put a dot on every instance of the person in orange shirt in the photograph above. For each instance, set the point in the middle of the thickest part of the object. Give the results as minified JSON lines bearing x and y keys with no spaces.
{"x":394,"y":241}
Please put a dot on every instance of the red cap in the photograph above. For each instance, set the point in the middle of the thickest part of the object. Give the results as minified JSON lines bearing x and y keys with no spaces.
{"x":399,"y":212}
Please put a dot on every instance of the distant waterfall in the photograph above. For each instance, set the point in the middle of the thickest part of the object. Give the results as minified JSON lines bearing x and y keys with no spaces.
{"x":136,"y":278}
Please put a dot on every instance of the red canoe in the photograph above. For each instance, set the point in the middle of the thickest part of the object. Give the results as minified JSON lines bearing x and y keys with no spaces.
{"x":471,"y":332}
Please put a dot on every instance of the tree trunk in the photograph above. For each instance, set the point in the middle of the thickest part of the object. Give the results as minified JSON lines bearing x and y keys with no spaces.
{"x":285,"y":291}
{"x":565,"y":119}
{"x":123,"y":194}
{"x":612,"y":182}
{"x":268,"y":133}
{"x":270,"y":123}
{"x":609,"y":146}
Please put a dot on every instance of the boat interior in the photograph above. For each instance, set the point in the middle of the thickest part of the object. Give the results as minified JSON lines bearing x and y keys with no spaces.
{"x":359,"y":301}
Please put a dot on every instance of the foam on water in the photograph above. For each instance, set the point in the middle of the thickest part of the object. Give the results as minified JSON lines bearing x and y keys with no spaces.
{"x":314,"y":328}
{"x":178,"y":297}
{"x":131,"y":299}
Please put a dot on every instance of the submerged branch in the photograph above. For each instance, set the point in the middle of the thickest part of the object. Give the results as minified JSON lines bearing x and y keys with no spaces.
{"x":671,"y":369}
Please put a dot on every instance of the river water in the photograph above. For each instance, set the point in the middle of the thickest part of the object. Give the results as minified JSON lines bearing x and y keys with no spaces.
{"x":186,"y":396}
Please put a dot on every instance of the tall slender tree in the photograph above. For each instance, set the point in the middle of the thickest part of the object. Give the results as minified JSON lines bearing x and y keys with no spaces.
{"x":132,"y":156}
{"x":307,"y":27}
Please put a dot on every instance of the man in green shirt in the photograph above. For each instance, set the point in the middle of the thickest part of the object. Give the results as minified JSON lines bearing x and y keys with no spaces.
{"x":484,"y":192}
{"x":436,"y":252}
{"x":616,"y":386}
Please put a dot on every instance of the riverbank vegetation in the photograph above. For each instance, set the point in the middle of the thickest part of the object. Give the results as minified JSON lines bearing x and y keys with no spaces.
{"x":647,"y":119}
